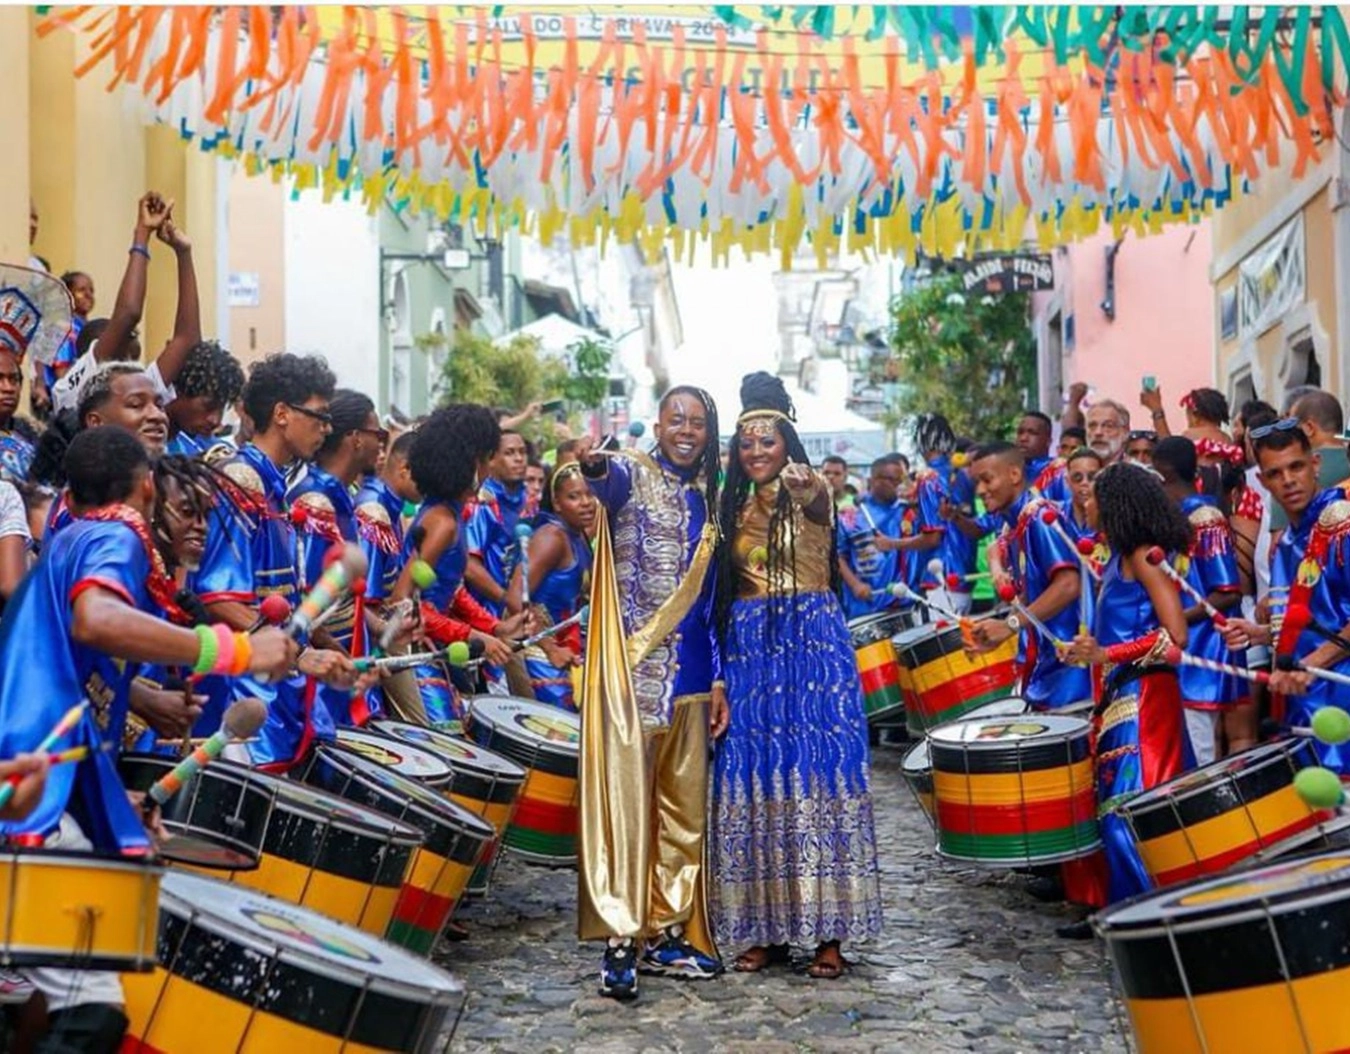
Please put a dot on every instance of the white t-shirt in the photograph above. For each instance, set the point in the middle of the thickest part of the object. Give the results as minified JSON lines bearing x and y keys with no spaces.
{"x":66,"y":391}
{"x":13,"y":515}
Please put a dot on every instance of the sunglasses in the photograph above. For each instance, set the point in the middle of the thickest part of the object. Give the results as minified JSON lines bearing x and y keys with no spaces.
{"x":1137,"y":436}
{"x":381,"y":435}
{"x":1284,"y":424}
{"x":314,"y":415}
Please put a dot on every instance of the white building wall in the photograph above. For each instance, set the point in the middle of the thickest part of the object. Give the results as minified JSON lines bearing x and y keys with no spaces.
{"x":332,"y":287}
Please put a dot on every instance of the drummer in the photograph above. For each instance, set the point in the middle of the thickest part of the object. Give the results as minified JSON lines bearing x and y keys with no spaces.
{"x":1045,"y":571}
{"x":867,"y":564}
{"x":88,"y":614}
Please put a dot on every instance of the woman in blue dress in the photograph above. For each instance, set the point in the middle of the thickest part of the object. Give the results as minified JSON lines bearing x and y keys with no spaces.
{"x":1140,"y":730}
{"x":793,"y":843}
{"x":559,"y":559}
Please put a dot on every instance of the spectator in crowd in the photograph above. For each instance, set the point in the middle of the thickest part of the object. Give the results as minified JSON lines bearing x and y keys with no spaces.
{"x":1108,"y":423}
{"x":1070,"y":439}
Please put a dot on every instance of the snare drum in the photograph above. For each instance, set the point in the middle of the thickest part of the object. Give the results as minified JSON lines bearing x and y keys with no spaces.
{"x":77,"y":910}
{"x":546,"y":742}
{"x":424,"y":766}
{"x":454,"y":840}
{"x":1255,"y":961}
{"x":485,"y":783}
{"x":1014,"y":791}
{"x":1207,"y":820}
{"x":243,"y":972}
{"x":945,"y":682}
{"x":878,"y":669}
{"x":331,"y":856}
{"x":218,"y":819}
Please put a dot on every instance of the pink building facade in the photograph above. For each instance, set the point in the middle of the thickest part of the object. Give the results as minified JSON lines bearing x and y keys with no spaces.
{"x":1121,"y":310}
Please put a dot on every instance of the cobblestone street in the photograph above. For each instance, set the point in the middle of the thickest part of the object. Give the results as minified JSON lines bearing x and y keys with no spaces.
{"x":967,"y":962}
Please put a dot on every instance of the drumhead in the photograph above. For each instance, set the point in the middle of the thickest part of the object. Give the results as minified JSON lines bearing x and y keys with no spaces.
{"x":460,"y":753}
{"x":278,"y":929}
{"x":868,"y":629}
{"x":1294,"y":885}
{"x":998,"y":733}
{"x":917,"y":759}
{"x":539,"y":727}
{"x":403,"y":758}
{"x":1009,"y":707}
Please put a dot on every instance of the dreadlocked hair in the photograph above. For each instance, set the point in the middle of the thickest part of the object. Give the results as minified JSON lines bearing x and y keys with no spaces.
{"x":712,"y":457}
{"x":203,"y":486}
{"x":449,"y":447}
{"x":933,"y":435}
{"x":212,"y":371}
{"x":1135,"y":511}
{"x":761,"y":391}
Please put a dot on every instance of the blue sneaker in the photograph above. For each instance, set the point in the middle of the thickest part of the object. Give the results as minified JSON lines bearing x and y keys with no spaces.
{"x":618,"y":970}
{"x":673,"y":956}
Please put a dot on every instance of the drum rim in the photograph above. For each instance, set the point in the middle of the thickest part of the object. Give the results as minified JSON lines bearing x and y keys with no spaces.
{"x":1275,"y":750}
{"x":512,"y":769}
{"x":220,"y":768}
{"x":296,"y":806}
{"x":334,"y":969}
{"x":431,"y":780}
{"x":520,"y":735}
{"x":1048,"y":736}
{"x":914,"y":748}
{"x":452,"y":809}
{"x":1204,"y":916}
{"x":84,"y":857}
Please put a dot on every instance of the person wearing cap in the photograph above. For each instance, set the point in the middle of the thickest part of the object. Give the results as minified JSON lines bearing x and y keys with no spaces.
{"x":1320,"y":416}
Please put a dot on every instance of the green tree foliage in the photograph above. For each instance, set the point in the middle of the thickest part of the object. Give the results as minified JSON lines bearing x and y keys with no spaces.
{"x":588,"y":383}
{"x":970,"y":357}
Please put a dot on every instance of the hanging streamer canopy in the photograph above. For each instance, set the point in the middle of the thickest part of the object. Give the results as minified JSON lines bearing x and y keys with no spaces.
{"x":944,"y":130}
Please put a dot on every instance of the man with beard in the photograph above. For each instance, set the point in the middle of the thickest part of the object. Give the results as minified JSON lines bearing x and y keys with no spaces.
{"x":1108,"y":423}
{"x":640,"y":870}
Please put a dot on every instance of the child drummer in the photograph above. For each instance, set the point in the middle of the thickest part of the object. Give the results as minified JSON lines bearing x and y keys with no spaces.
{"x":96,"y":597}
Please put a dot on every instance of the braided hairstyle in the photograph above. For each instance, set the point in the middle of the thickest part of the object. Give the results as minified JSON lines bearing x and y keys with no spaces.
{"x":934,"y":435}
{"x":198,"y":481}
{"x":712,"y":458}
{"x":760,"y":391}
{"x":1134,"y":511}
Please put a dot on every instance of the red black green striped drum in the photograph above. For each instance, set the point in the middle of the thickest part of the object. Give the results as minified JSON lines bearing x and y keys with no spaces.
{"x":1233,"y":810}
{"x":243,"y":972}
{"x":454,"y":839}
{"x":407,"y":759}
{"x":1257,"y":960}
{"x":878,"y":670}
{"x":944,"y":681}
{"x":916,"y":767}
{"x":1014,"y":791}
{"x":485,"y":783}
{"x":546,"y":742}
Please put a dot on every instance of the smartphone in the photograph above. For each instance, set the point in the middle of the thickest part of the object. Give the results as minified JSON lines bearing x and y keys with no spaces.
{"x":553,"y":406}
{"x":1150,"y":383}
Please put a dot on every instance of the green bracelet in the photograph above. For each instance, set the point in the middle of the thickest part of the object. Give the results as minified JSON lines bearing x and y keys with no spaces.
{"x":210,"y":650}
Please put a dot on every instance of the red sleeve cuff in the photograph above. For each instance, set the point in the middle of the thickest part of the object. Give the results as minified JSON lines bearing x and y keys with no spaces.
{"x":86,"y":584}
{"x":228,"y":598}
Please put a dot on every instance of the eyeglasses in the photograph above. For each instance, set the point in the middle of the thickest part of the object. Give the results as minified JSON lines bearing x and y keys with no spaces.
{"x":324,"y":418}
{"x":381,"y":435}
{"x":1137,"y":436}
{"x":1284,"y":424}
{"x":1082,"y":477}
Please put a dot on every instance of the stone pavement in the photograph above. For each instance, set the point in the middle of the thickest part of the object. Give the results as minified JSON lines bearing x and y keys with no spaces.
{"x":967,"y":962}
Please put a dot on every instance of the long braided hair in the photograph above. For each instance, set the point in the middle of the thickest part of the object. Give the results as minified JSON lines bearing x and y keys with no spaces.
{"x":712,"y":460}
{"x":761,"y":391}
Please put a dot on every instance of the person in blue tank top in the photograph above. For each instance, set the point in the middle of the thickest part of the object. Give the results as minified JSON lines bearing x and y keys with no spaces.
{"x":251,"y":553}
{"x":87,"y":614}
{"x":452,"y":447}
{"x":210,"y":382}
{"x":1210,"y":566}
{"x":324,"y":513}
{"x":490,"y":525}
{"x":560,"y":557}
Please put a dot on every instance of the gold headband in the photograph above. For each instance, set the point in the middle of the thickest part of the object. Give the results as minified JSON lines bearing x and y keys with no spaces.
{"x":572,"y":468}
{"x":761,"y":422}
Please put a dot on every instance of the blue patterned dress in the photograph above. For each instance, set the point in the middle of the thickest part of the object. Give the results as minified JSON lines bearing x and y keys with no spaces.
{"x":793,"y":844}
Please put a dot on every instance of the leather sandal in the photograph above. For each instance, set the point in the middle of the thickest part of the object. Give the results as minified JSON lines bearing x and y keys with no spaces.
{"x":828,"y":964}
{"x":754,"y":959}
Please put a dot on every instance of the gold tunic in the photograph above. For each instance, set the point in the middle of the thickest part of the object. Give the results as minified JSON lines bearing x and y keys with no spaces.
{"x":809,"y":572}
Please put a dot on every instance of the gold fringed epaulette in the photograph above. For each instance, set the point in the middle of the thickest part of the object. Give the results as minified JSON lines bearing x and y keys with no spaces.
{"x":244,"y":476}
{"x":374,"y":525}
{"x":313,"y":513}
{"x":1335,"y":518}
{"x":1208,"y":516}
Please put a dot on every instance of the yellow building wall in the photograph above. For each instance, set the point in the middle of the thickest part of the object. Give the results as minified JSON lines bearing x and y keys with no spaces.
{"x":257,"y":207}
{"x":89,"y":160}
{"x":14,"y":124}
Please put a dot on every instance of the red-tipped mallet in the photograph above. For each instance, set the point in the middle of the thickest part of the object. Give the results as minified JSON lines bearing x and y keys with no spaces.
{"x":274,"y":610}
{"x":1158,"y":558}
{"x":1082,"y":547}
{"x":1008,"y":594}
{"x":1176,"y":657}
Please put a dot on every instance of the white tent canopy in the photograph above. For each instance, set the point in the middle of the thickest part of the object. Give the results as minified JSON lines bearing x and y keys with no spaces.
{"x":555,"y":334}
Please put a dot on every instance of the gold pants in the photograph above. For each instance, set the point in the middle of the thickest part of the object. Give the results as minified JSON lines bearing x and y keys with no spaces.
{"x":646,"y":870}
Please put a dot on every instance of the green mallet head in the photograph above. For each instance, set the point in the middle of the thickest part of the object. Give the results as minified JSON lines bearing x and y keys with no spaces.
{"x":1319,"y":787}
{"x":758,"y":557}
{"x":1331,"y":725}
{"x":458,"y":653}
{"x":422,"y":575}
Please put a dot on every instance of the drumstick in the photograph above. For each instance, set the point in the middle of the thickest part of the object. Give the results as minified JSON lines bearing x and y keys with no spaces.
{"x":954,"y":580}
{"x":336,"y":579}
{"x":357,"y":590}
{"x":523,"y":534}
{"x":241,"y":720}
{"x":394,"y":663}
{"x":67,"y":722}
{"x":1008,"y":595}
{"x":582,"y":617}
{"x":1158,"y":558}
{"x":1050,"y":518}
{"x":1177,"y":657}
{"x":274,"y":610}
{"x":902,"y":592}
{"x":1290,"y":664}
{"x":1319,"y":787}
